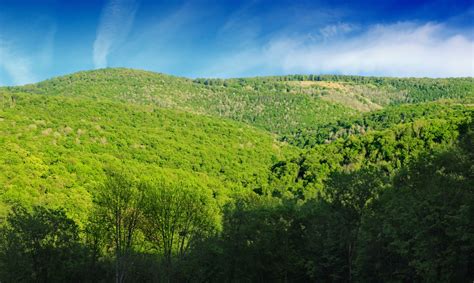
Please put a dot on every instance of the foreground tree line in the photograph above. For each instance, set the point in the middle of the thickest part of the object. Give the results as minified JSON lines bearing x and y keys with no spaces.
{"x":363,"y":227}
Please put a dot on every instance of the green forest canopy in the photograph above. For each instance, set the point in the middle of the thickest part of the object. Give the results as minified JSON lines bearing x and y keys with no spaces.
{"x":244,"y":164}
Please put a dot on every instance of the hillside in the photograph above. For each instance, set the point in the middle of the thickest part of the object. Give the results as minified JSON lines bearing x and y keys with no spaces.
{"x":269,"y":179}
{"x":61,"y":133}
{"x":240,"y":103}
{"x":54,"y":147}
{"x":276,"y":104}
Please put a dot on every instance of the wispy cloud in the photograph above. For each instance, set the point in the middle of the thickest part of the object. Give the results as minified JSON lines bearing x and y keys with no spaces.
{"x":167,"y":40}
{"x":18,"y":67}
{"x":401,"y":49}
{"x":24,"y":55}
{"x":336,"y":30}
{"x":115,"y":24}
{"x":241,"y":25}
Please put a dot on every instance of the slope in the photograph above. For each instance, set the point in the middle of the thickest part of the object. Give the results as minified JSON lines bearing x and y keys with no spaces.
{"x":53,"y":149}
{"x":271,"y":108}
{"x":276,"y":104}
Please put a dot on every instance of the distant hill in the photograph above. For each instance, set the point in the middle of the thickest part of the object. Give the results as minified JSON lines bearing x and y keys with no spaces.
{"x":290,"y":178}
{"x":57,"y":136}
{"x":54,"y":147}
{"x":277,"y":104}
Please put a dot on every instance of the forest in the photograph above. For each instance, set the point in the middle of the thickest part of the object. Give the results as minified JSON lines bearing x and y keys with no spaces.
{"x":132,"y":176}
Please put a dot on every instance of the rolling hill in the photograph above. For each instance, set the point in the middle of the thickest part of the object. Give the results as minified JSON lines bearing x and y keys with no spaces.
{"x":276,"y":104}
{"x":57,"y":134}
{"x":54,"y":147}
{"x":288,"y":172}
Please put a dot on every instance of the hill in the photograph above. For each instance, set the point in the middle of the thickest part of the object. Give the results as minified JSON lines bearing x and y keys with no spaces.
{"x":54,"y":147}
{"x":276,"y":104}
{"x":59,"y":135}
{"x":153,"y":178}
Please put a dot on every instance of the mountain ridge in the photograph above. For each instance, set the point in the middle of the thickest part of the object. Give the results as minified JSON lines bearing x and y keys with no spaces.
{"x":275,"y":103}
{"x":303,"y":163}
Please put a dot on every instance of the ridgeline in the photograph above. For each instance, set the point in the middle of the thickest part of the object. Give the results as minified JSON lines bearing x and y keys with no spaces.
{"x":141,"y":176}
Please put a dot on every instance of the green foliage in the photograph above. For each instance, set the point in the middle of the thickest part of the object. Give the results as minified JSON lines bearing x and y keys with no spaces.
{"x":277,"y":104}
{"x":176,"y":215}
{"x":264,"y":108}
{"x":369,"y":228}
{"x":377,"y":121}
{"x":118,"y":211}
{"x":54,"y":148}
{"x":410,"y":90}
{"x":421,"y":230}
{"x":388,"y":149}
{"x":246,"y":249}
{"x":168,"y":179}
{"x":41,"y":246}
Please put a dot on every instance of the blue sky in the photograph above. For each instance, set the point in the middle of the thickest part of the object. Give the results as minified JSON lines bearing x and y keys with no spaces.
{"x":44,"y":38}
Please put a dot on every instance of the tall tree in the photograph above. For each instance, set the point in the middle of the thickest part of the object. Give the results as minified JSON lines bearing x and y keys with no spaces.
{"x":118,"y":208}
{"x":421,"y":229}
{"x":41,"y":245}
{"x":175,"y":216}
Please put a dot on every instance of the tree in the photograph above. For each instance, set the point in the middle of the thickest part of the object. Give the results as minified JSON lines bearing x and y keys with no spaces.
{"x":40,"y":246}
{"x":421,"y":228}
{"x":175,"y":217}
{"x":118,"y":212}
{"x":255,"y":245}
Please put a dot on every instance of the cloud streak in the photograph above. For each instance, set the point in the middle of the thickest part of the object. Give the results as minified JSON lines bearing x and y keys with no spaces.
{"x":115,"y":24}
{"x":401,"y":49}
{"x":18,"y":68}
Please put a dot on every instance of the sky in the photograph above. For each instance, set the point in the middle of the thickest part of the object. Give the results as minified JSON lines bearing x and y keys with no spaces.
{"x":40,"y":39}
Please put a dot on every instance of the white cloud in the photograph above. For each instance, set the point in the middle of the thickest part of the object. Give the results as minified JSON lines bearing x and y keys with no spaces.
{"x":16,"y":66}
{"x":402,"y":49}
{"x":26,"y":49}
{"x":115,"y":24}
{"x":336,"y":29}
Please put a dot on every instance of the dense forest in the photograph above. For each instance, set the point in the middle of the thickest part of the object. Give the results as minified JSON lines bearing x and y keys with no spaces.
{"x":132,"y":176}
